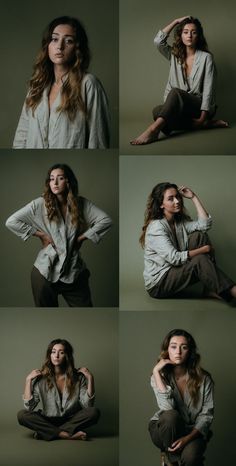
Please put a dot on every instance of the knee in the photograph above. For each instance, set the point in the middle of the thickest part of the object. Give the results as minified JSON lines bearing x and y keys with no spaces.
{"x":93,"y":414}
{"x":21,"y":416}
{"x":169,"y":418}
{"x":190,"y":458}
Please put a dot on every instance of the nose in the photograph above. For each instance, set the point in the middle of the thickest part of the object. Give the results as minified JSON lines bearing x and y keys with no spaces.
{"x":60,"y":44}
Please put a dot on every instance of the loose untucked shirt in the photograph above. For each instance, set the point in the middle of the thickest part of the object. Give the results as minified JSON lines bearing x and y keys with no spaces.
{"x":202,"y":79}
{"x":54,"y":404}
{"x":164,"y":250}
{"x":63,"y":260}
{"x":52,"y":129}
{"x":200,"y":416}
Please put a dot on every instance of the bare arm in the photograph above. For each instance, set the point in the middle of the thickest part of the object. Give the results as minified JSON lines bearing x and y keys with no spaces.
{"x":160,"y":384}
{"x":90,"y":381}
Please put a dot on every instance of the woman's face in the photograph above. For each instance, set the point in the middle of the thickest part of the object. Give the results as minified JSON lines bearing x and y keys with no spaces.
{"x":171,"y":202}
{"x":61,"y":49}
{"x":58,"y":183}
{"x":178,"y":350}
{"x":58,"y":355}
{"x":189,"y":35}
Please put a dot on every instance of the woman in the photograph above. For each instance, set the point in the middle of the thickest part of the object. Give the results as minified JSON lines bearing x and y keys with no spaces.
{"x":62,"y":220}
{"x":177,"y":250}
{"x":184,"y":394}
{"x":65,"y":106}
{"x":189,"y":99}
{"x":66,"y":394}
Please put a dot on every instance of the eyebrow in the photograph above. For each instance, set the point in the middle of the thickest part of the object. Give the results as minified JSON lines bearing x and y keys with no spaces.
{"x":65,"y":35}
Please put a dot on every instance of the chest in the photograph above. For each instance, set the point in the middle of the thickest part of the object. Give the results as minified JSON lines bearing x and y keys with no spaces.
{"x":181,"y":385}
{"x":189,"y":64}
{"x":60,"y":384}
{"x":53,"y":93}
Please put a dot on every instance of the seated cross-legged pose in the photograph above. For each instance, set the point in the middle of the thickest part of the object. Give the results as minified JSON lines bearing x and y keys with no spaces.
{"x":189,"y":98}
{"x":62,"y":220}
{"x":177,"y":250}
{"x":184,"y":394}
{"x":66,"y":394}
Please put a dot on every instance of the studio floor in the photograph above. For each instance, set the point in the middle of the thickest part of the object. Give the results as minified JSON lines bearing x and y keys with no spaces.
{"x":211,"y":142}
{"x":18,"y":448}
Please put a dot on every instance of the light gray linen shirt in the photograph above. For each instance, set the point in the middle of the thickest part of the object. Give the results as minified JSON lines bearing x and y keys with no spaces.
{"x":202,"y":79}
{"x":200,"y":416}
{"x":161,"y":252}
{"x":55,"y":405}
{"x":63,"y":261}
{"x":50,"y":129}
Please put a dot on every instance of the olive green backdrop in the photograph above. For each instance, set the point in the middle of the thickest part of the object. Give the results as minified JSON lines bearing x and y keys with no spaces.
{"x":24,"y":336}
{"x":144,"y":71}
{"x":212,"y":178}
{"x":141,"y":335}
{"x":23,"y":177}
{"x":22,"y":26}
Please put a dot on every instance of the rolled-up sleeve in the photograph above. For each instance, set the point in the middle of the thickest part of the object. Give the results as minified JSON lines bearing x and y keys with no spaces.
{"x":160,"y":242}
{"x":160,"y":41}
{"x":31,"y":404}
{"x":205,"y":416}
{"x":201,"y":224}
{"x":22,"y":222}
{"x":98,"y":221}
{"x":85,"y":400}
{"x":165,"y":400}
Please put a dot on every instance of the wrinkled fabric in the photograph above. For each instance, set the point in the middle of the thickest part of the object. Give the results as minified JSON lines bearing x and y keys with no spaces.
{"x":54,"y":130}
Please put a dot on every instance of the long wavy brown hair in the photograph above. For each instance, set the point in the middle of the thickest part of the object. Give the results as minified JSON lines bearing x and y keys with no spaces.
{"x":178,"y":48}
{"x":43,"y":71}
{"x":195,"y":372}
{"x":74,"y":201}
{"x":48,"y":370}
{"x":154,"y":210}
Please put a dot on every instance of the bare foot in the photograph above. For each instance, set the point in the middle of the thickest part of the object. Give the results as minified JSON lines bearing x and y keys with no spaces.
{"x":211,"y":294}
{"x":216,"y":124}
{"x":64,"y":435}
{"x":147,"y":137}
{"x":79,"y":436}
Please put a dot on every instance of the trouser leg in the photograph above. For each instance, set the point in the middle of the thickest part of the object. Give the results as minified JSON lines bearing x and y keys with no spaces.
{"x":44,"y":292}
{"x":78,"y":293}
{"x":178,"y":110}
{"x":39,"y":423}
{"x":84,"y":418}
{"x":200,"y":268}
{"x":166,"y":430}
{"x":193,"y":453}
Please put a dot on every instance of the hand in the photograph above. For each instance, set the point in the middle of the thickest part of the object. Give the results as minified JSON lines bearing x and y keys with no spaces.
{"x":179,"y":20}
{"x":178,"y":444}
{"x":186,"y":192}
{"x":46,"y":240}
{"x":33,"y":374}
{"x":206,"y":249}
{"x":85,"y":372}
{"x":162,"y":363}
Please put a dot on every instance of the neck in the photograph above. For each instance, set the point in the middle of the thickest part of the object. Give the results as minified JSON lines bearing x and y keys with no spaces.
{"x":170,"y":218}
{"x":190,"y":51}
{"x":59,"y":371}
{"x":179,"y":371}
{"x":59,"y":72}
{"x":62,"y":199}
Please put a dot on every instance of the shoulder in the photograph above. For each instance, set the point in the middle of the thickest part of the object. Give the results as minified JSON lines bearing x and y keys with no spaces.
{"x":206,"y":56}
{"x":158,"y":225}
{"x":91,"y":81}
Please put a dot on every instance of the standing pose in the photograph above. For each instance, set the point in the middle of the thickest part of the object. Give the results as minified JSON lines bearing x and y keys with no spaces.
{"x":65,"y":106}
{"x":177,"y":250}
{"x":184,"y":394}
{"x":62,"y":220}
{"x":66,"y":394}
{"x":189,"y":99}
